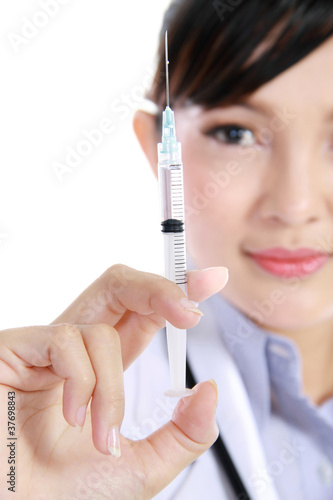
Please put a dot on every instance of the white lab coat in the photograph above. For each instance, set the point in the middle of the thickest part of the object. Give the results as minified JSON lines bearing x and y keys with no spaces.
{"x":147,"y":409}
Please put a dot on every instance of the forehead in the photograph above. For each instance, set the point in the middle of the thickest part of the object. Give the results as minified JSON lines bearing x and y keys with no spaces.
{"x":310,"y":81}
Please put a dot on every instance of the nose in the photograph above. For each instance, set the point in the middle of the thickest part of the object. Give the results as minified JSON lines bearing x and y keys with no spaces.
{"x":294,"y":192}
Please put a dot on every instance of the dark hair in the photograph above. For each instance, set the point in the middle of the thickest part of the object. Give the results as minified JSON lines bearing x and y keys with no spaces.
{"x":212,"y":46}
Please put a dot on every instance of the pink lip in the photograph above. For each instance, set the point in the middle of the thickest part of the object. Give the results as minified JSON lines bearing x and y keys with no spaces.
{"x":290,"y":263}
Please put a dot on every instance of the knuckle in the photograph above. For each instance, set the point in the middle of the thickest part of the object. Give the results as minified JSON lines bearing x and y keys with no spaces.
{"x":117,"y":279}
{"x":118,"y":274}
{"x":67,"y":330}
{"x":150,"y":324}
{"x":62,"y":336}
{"x":115,"y":268}
{"x":106,"y":334}
{"x":157,"y":322}
{"x":88,"y":379}
{"x":85,"y":376}
{"x":116,"y":307}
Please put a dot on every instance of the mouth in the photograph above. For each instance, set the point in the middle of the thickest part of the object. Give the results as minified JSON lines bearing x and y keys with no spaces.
{"x":286,"y":263}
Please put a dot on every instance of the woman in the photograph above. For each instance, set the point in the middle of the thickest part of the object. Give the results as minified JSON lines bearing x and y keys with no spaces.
{"x":250,"y":84}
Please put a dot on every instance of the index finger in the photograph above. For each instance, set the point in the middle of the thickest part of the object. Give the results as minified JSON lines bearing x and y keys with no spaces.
{"x":122,"y":288}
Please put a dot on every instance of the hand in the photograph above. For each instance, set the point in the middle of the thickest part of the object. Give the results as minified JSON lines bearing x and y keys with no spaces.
{"x":70,"y":373}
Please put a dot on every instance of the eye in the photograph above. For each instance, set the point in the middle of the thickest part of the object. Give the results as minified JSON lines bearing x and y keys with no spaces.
{"x":232,"y":134}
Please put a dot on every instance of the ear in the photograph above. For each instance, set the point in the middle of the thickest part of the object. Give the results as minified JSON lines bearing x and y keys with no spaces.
{"x":144,"y":125}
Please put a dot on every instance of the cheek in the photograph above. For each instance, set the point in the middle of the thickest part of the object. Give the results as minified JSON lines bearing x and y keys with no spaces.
{"x":214,"y":213}
{"x":218,"y":179}
{"x":216,"y":192}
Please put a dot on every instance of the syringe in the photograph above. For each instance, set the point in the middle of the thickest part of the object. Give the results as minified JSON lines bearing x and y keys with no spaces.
{"x":170,"y":176}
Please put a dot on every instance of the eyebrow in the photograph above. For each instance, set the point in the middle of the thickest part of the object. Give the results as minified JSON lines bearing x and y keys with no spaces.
{"x":257,"y":108}
{"x":262,"y":108}
{"x":266,"y":109}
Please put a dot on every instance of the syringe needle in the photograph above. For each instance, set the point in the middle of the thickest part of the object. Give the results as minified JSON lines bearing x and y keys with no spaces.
{"x":167,"y":70}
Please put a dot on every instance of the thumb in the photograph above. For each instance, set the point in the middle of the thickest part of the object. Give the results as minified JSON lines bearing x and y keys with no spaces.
{"x":191,"y":431}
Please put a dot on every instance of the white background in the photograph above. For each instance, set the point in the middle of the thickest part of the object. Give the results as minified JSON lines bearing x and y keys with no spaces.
{"x":57,"y":236}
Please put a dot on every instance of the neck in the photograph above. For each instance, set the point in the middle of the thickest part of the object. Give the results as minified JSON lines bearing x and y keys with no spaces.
{"x":315,"y":345}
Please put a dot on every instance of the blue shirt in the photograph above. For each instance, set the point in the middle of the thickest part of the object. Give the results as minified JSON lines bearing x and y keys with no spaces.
{"x":297,"y":435}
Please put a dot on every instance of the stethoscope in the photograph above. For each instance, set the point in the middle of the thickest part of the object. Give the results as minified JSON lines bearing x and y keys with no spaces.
{"x":223,"y":456}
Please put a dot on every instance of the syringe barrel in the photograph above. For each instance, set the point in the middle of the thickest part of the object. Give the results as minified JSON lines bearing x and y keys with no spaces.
{"x":175,"y":270}
{"x":170,"y":177}
{"x":173,"y":219}
{"x":176,"y":340}
{"x":175,"y":259}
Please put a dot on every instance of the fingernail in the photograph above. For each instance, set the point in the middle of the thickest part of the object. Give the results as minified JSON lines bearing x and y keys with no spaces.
{"x":80,"y":417}
{"x":224,"y":269}
{"x":114,"y":442}
{"x":215,"y":386}
{"x":190,"y":306}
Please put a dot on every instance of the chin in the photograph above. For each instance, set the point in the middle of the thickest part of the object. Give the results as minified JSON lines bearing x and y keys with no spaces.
{"x":282,"y":308}
{"x":291,"y":315}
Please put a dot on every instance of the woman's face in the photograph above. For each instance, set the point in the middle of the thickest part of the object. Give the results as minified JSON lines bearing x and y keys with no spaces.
{"x":259,"y":194}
